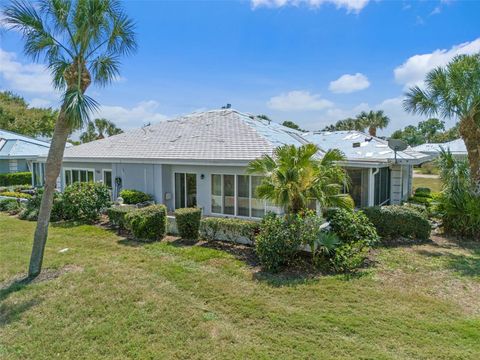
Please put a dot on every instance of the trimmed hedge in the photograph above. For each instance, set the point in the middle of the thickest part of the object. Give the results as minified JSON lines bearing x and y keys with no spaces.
{"x":188,"y":222}
{"x":117,"y":214}
{"x":423,"y":191}
{"x":19,"y":178}
{"x":395,"y":221}
{"x":16,"y":195}
{"x":148,"y":223}
{"x":132,"y":196}
{"x":231,"y":229}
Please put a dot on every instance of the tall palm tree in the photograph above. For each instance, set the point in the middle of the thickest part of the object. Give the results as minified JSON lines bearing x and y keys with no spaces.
{"x":98,"y":129}
{"x":293,"y":176}
{"x":81,"y":42}
{"x":374,"y":120}
{"x":453,"y":92}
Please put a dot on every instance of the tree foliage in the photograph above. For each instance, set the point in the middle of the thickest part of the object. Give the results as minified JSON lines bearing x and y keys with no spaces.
{"x":428,"y":131}
{"x":99,"y":129}
{"x":294,"y":176}
{"x":372,"y":120}
{"x":453,"y":91}
{"x":17,"y":116}
{"x":292,"y":125}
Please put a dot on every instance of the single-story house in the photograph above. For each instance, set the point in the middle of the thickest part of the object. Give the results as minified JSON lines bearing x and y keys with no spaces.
{"x":457,"y":148}
{"x":18,"y":152}
{"x":200,"y":160}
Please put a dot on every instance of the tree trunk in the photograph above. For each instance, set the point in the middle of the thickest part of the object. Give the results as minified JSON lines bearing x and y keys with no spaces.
{"x":372,"y":130}
{"x":52,"y":171}
{"x":470,"y":133}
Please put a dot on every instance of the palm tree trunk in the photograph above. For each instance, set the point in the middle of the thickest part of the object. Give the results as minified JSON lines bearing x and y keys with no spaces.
{"x":372,"y":130}
{"x":470,"y":133}
{"x":52,"y":170}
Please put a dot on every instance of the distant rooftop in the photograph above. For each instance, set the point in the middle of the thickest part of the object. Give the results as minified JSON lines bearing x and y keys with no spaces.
{"x":455,"y":146}
{"x":359,"y":146}
{"x":13,"y":145}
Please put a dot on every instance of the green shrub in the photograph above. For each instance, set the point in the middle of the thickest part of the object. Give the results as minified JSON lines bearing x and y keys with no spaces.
{"x":352,"y":226}
{"x":131,"y":196}
{"x":32,"y":207}
{"x":349,"y":257}
{"x":188,"y":222}
{"x":423,"y":191}
{"x":149,"y":223}
{"x":4,"y":203}
{"x":11,"y":206}
{"x":117,"y":214}
{"x":395,"y":221}
{"x":18,"y":178}
{"x":423,"y":200}
{"x":213,"y":228}
{"x":16,"y":195}
{"x":278,"y":241}
{"x":85,"y":201}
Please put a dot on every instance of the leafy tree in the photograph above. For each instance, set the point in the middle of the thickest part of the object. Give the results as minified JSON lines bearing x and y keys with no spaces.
{"x":98,"y":129}
{"x":264,"y":117}
{"x":448,"y":135}
{"x":453,"y":91}
{"x":410,"y":135}
{"x":292,"y":125}
{"x":427,"y":131}
{"x":294,"y":176}
{"x":81,"y":42}
{"x":17,"y":116}
{"x":373,"y":120}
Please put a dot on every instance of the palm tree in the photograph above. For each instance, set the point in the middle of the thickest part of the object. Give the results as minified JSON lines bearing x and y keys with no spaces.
{"x":373,"y":120}
{"x":347,"y":124}
{"x":294,"y":176}
{"x":81,"y":42}
{"x":453,"y":92}
{"x":98,"y":129}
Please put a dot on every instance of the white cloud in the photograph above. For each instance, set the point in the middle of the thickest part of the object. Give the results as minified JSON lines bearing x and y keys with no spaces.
{"x":32,"y":78}
{"x":300,"y":100}
{"x":352,"y":6}
{"x":412,"y":72}
{"x":142,"y":113}
{"x":347,"y":83}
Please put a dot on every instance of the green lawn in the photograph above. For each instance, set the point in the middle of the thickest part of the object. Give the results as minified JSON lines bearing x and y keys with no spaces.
{"x":116,"y":300}
{"x":433,"y":183}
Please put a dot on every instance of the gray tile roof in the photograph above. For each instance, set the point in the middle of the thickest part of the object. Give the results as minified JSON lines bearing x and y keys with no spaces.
{"x":211,"y":135}
{"x":366,"y":148}
{"x":455,"y":146}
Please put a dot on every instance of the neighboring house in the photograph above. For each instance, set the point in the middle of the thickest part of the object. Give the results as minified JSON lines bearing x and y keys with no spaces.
{"x":200,"y":160}
{"x":457,"y":148}
{"x":17,"y":153}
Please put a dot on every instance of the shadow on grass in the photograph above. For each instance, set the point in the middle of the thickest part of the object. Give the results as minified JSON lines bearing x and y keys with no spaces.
{"x":12,"y":312}
{"x":465,"y":265}
{"x":67,"y":224}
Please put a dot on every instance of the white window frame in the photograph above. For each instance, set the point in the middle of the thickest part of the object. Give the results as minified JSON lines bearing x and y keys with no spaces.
{"x":250,"y":197}
{"x":185,"y":185}
{"x":103,"y":176}
{"x":76,"y":169}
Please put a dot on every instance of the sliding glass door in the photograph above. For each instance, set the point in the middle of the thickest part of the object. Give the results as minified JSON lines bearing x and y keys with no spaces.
{"x":185,"y":190}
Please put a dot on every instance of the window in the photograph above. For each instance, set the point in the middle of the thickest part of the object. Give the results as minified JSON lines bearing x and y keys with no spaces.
{"x":185,"y":190}
{"x":78,"y":175}
{"x":236,"y":195}
{"x":38,"y":174}
{"x":107,"y":179}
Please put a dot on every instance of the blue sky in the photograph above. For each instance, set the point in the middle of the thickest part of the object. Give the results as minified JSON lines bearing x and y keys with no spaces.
{"x":311,"y":61}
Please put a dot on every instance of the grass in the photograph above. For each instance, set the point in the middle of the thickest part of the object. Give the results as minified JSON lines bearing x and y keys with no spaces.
{"x":433,"y":183}
{"x":110,"y":298}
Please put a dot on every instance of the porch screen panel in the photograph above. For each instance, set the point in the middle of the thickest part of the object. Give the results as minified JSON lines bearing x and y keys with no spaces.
{"x":355,"y":189}
{"x":229,"y":194}
{"x":258,"y":205}
{"x":191,"y":182}
{"x":243,"y":196}
{"x":217,"y":194}
{"x":382,"y":186}
{"x":179,"y":190}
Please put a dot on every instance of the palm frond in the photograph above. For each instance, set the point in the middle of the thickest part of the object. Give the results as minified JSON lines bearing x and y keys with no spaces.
{"x":105,"y":68}
{"x":78,"y":107}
